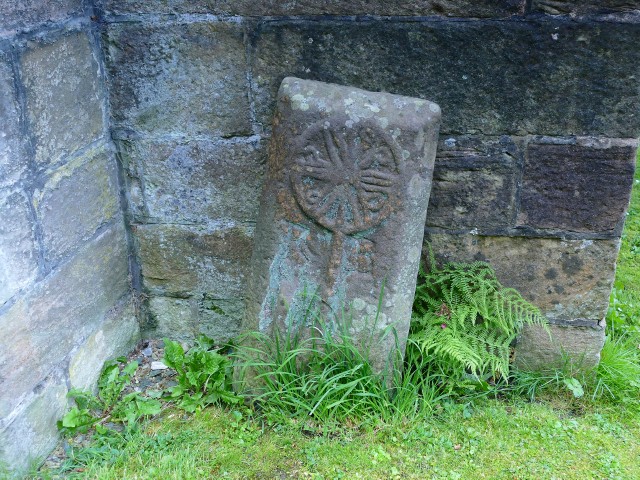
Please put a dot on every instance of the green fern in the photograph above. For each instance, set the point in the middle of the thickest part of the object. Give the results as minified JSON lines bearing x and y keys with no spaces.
{"x":466,"y":320}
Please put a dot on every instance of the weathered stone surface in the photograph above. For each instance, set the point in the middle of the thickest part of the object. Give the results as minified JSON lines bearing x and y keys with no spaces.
{"x":537,"y":350}
{"x":18,"y":249}
{"x":19,"y":15}
{"x":570,"y":280}
{"x":474,"y":183}
{"x":581,"y":186}
{"x":30,"y":432}
{"x":179,"y":79}
{"x":343,"y":211}
{"x":551,"y":76}
{"x":195,"y":182}
{"x":64,"y":102}
{"x":59,"y":313}
{"x":12,"y":155}
{"x":183,"y":260}
{"x":451,"y":8}
{"x":75,"y":201}
{"x":560,"y":7}
{"x":116,"y":335}
{"x":174,"y":318}
{"x":185,"y":318}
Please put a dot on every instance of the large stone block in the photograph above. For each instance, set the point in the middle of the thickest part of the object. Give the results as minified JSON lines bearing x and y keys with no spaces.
{"x":116,"y":335}
{"x":179,"y":79}
{"x":536,"y":349}
{"x":75,"y":201}
{"x":582,"y":185}
{"x":184,"y":318}
{"x":64,"y":99}
{"x":342,"y":212}
{"x":13,"y":158}
{"x":59,"y":314}
{"x":580,"y":7}
{"x":570,"y":280}
{"x":551,"y":76}
{"x":451,"y":8}
{"x":20,"y":15}
{"x":30,"y":432}
{"x":195,"y":182}
{"x":18,"y":248}
{"x":474,"y":183}
{"x":179,"y":260}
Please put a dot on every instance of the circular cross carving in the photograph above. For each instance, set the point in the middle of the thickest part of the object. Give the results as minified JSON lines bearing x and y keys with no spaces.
{"x":346,"y":178}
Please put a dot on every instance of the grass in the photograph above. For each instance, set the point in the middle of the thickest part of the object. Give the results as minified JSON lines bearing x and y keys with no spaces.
{"x":496,"y":440}
{"x":537,"y":429}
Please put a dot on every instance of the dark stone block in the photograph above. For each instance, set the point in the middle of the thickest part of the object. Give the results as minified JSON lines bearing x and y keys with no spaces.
{"x":541,"y":76}
{"x":559,"y":7}
{"x":474,"y":183}
{"x":450,"y":8}
{"x":179,"y":79}
{"x":582,"y":187}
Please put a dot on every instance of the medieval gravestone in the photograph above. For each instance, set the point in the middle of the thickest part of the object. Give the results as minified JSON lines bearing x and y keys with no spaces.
{"x":342,"y":213}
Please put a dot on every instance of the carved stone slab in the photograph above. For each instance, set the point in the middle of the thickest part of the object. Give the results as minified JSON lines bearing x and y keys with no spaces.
{"x":342,"y":213}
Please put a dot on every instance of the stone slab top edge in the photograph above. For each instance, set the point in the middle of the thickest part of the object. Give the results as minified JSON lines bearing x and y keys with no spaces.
{"x":358,"y":104}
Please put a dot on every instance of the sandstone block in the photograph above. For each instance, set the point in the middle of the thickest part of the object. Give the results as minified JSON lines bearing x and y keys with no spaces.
{"x":489,"y":77}
{"x":342,"y":212}
{"x":195,"y":182}
{"x":583,"y":186}
{"x":18,"y":249}
{"x":64,"y":101}
{"x":13,"y":159}
{"x":474,"y":183}
{"x":179,"y":79}
{"x":185,"y":318}
{"x":30,"y":433}
{"x":59,"y":313}
{"x":185,"y":260}
{"x":27,"y":14}
{"x":451,"y":8}
{"x":570,"y":280}
{"x":581,"y":7}
{"x":116,"y":335}
{"x":75,"y":201}
{"x":536,"y":350}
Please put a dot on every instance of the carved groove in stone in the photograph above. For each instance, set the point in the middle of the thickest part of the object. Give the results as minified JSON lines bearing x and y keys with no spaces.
{"x":345,"y":179}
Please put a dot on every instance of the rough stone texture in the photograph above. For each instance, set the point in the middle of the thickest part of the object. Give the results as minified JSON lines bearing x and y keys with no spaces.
{"x":178,"y":79}
{"x":26,"y":439}
{"x":117,"y":335}
{"x":451,"y":8}
{"x":559,"y":7}
{"x":343,"y":211}
{"x":185,"y":318}
{"x":59,"y":313}
{"x":75,"y":201}
{"x":582,"y":186}
{"x":12,"y":155}
{"x":536,"y":350}
{"x":546,"y":76}
{"x":570,"y":280}
{"x":474,"y":183}
{"x":182,"y":260}
{"x":18,"y":250}
{"x":19,"y":15}
{"x":64,"y":102}
{"x":194,"y":182}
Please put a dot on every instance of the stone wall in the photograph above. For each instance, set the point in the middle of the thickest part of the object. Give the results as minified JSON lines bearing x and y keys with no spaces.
{"x":65,"y":299}
{"x":169,"y":133}
{"x":536,"y":157}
